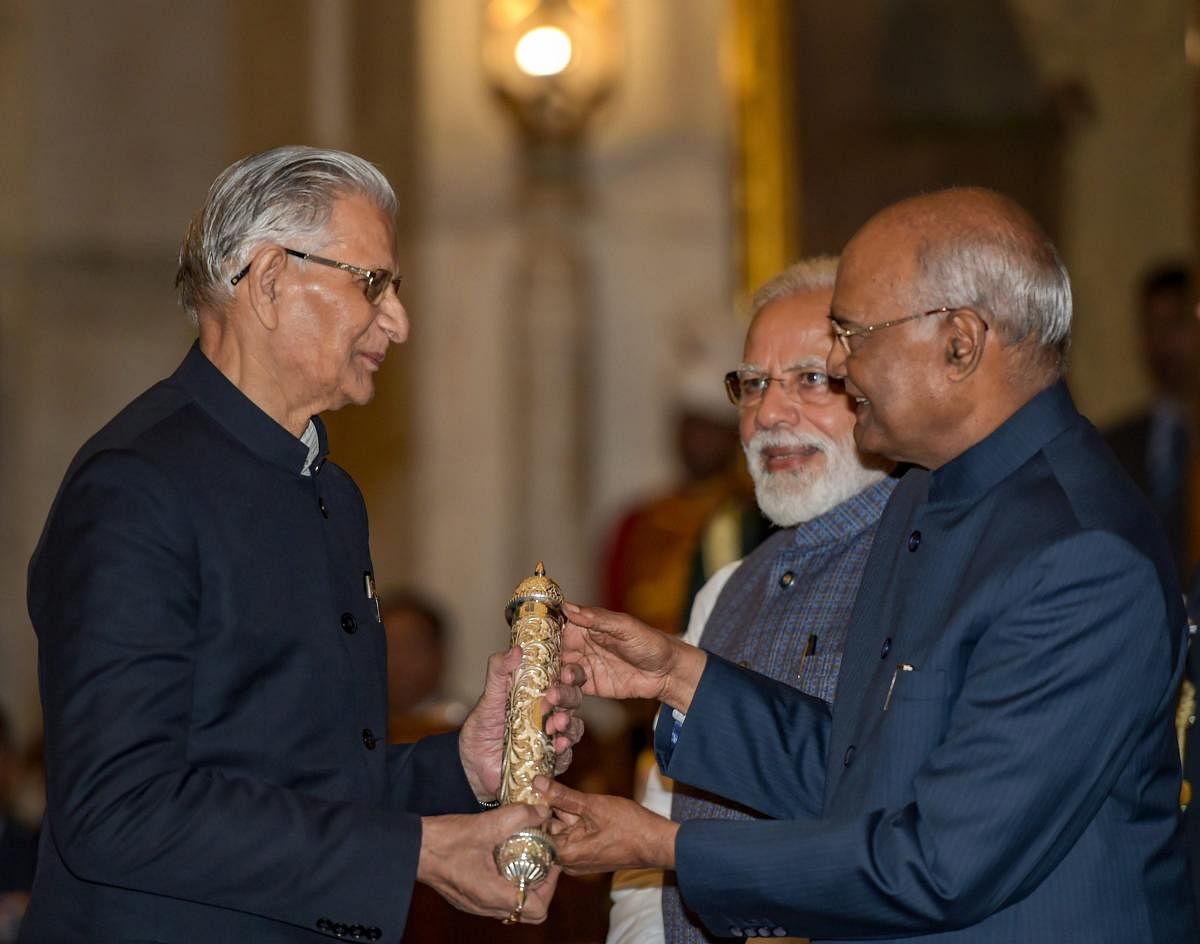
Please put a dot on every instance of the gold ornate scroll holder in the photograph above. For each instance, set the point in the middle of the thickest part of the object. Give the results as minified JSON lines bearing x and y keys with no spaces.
{"x":535,"y":613}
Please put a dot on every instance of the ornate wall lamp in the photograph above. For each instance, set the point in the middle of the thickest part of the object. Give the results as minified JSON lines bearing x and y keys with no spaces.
{"x":551,"y":63}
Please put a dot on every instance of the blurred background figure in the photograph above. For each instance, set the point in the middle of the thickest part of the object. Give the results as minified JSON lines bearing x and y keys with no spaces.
{"x":417,"y":637}
{"x":1155,"y":444}
{"x":663,"y":549}
{"x":650,"y":568}
{"x":18,"y":840}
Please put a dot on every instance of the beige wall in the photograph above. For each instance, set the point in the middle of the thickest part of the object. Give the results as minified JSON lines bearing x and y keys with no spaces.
{"x":651,"y":241}
{"x":113,"y":117}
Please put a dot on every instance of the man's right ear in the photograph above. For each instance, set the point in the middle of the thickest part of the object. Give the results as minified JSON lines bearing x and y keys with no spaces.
{"x":261,"y":284}
{"x":965,"y":342}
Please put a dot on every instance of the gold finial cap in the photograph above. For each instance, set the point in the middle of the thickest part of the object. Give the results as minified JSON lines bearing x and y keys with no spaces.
{"x":539,"y":588}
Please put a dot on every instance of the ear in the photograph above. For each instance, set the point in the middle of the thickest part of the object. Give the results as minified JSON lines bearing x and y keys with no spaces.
{"x":965,"y":343}
{"x":265,"y":270}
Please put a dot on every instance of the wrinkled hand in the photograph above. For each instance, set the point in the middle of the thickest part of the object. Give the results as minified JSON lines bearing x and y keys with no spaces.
{"x":481,"y":740}
{"x":625,"y":658}
{"x":456,"y":862}
{"x":598,"y":833}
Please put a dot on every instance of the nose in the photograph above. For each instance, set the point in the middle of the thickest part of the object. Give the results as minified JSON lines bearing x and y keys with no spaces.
{"x":775,"y":407}
{"x":392,"y":317}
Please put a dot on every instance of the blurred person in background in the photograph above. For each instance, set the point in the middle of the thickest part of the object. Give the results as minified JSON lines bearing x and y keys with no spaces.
{"x":1155,"y":445}
{"x":417,"y":639}
{"x":648,"y":565}
{"x":663,"y":549}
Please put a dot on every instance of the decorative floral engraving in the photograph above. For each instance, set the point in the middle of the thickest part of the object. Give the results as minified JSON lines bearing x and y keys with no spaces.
{"x":535,"y":613}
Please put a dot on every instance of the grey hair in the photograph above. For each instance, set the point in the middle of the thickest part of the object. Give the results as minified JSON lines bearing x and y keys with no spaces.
{"x":1009,"y":271}
{"x":284,"y":195}
{"x":808,"y":275}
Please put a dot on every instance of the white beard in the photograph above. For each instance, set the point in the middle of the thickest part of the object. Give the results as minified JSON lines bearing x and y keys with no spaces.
{"x":790,"y":497}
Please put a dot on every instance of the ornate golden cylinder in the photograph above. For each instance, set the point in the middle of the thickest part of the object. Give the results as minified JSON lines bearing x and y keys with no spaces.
{"x":535,"y":613}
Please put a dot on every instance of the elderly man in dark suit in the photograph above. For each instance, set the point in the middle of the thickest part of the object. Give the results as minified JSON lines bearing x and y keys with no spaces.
{"x":1000,"y":762}
{"x":211,"y":659}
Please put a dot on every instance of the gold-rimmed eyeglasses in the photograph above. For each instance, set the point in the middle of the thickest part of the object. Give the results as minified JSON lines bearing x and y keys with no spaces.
{"x":846,"y":331}
{"x":746,"y":388}
{"x":375,"y":281}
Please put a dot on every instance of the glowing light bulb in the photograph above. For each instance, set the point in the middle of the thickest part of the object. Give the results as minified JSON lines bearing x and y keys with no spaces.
{"x":543,"y":51}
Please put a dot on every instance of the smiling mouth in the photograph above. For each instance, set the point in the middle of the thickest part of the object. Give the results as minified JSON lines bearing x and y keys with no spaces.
{"x":780,"y":452}
{"x":782,"y":458}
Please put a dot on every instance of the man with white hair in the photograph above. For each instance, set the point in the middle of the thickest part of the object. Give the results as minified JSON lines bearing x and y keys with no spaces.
{"x":784,"y":609}
{"x":212,"y":661}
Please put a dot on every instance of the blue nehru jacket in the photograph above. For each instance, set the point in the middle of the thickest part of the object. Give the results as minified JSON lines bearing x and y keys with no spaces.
{"x":212,"y":673}
{"x":1000,"y":763}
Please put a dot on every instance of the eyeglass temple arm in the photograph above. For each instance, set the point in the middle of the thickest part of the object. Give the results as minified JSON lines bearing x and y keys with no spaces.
{"x":291,"y":252}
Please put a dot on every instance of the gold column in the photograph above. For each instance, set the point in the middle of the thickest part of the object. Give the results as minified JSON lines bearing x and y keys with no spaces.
{"x":765,"y":190}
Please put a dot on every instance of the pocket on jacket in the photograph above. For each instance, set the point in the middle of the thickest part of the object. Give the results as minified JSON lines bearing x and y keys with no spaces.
{"x":915,"y":723}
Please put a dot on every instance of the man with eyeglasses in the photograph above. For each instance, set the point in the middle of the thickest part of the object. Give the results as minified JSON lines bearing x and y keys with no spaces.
{"x":1000,"y":762}
{"x":782,"y":611}
{"x":212,"y":660}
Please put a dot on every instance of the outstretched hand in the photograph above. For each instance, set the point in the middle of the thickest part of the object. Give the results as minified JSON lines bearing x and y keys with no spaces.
{"x":481,"y":740}
{"x":599,"y":833}
{"x":625,"y":658}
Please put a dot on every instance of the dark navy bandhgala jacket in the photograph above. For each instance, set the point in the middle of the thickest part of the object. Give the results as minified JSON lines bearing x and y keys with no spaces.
{"x":213,"y":680}
{"x":1000,"y":764}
